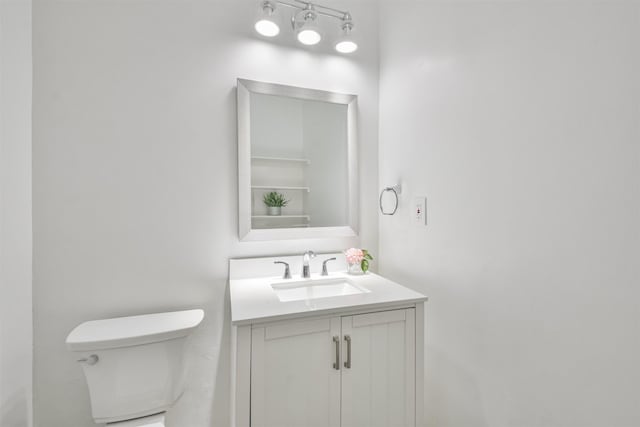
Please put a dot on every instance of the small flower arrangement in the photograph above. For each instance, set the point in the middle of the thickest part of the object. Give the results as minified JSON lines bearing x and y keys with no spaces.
{"x":358,"y":257}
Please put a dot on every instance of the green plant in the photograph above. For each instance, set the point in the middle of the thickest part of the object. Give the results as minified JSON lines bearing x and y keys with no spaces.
{"x":364,"y":264}
{"x":274,"y":199}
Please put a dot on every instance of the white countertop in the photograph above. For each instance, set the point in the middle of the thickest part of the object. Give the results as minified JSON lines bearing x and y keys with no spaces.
{"x":253,"y":299}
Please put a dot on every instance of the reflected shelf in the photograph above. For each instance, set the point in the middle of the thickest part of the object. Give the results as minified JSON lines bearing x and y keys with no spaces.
{"x":281,"y":226}
{"x":280,"y":159}
{"x":307,"y":217}
{"x":279,"y":187}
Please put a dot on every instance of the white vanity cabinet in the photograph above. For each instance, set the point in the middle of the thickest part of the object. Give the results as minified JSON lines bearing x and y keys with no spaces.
{"x":352,"y":370}
{"x":354,"y":360}
{"x":378,"y":385}
{"x":293,"y":379}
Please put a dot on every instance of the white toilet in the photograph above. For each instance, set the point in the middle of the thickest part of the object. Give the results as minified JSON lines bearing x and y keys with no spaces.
{"x":134,"y":366}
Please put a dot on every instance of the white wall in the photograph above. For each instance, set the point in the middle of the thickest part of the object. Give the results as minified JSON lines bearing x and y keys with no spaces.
{"x":276,"y":126}
{"x":325,"y":143}
{"x":520,"y":121}
{"x":15,"y":214}
{"x":135,"y":177}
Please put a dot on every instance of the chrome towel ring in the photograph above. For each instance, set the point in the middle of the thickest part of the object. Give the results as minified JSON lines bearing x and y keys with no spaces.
{"x":396,"y":189}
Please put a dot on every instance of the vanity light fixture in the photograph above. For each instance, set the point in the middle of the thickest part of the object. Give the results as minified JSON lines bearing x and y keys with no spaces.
{"x":345,"y":43}
{"x":267,"y":24}
{"x":304,"y":23}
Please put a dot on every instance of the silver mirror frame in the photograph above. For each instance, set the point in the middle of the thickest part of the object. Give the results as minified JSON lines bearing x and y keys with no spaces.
{"x":244,"y":90}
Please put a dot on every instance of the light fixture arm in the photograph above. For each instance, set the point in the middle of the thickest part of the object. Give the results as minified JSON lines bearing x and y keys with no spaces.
{"x":347,"y":23}
{"x":268,"y":6}
{"x":318,"y":8}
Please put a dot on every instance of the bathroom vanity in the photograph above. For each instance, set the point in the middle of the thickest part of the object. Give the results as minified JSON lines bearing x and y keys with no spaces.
{"x":335,"y":350}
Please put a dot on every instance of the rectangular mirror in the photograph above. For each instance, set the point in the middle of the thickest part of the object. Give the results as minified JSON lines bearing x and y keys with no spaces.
{"x":296,"y":148}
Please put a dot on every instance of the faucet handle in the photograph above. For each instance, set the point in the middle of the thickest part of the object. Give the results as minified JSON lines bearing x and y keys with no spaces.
{"x":287,"y":272}
{"x":324,"y":266}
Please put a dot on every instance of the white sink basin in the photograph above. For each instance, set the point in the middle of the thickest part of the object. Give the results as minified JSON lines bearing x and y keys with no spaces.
{"x":316,"y":288}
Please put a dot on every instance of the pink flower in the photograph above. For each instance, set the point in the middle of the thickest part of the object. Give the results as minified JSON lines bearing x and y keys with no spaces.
{"x":354,"y":255}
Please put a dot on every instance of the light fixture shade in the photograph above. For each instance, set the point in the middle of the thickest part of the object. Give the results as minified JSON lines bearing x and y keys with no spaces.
{"x":305,"y":24}
{"x":267,"y":23}
{"x":346,"y":46}
{"x":309,"y":36}
{"x":346,"y":43}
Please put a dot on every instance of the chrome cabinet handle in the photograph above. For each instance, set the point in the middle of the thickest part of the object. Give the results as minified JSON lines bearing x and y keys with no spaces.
{"x":91,"y":360}
{"x":336,"y":364}
{"x":347,"y":363}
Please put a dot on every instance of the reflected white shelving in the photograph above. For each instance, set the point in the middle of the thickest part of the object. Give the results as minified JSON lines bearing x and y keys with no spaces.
{"x":280,"y":159}
{"x":284,"y":226}
{"x":307,"y":217}
{"x":289,"y":174}
{"x":279,"y":187}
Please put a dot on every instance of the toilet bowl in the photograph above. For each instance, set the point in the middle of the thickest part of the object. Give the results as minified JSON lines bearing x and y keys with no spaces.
{"x":134,"y":366}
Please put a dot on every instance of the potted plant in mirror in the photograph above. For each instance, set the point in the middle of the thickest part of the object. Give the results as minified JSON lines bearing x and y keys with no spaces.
{"x":275,"y":202}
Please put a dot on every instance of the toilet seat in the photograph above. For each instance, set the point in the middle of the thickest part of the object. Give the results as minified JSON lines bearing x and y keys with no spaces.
{"x":156,"y":420}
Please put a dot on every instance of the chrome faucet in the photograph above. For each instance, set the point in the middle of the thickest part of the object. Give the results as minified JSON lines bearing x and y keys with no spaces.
{"x":305,"y":263}
{"x":324,"y":266}
{"x":287,"y":272}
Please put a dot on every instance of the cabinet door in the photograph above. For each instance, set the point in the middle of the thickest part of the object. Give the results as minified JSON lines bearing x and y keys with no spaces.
{"x":378,"y":388}
{"x":293,"y":379}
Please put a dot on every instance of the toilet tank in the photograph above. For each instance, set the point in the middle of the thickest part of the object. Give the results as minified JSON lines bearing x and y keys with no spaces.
{"x":134,"y":366}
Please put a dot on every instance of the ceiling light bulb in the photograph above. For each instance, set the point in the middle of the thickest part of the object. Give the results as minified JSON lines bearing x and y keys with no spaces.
{"x":267,"y":28}
{"x":346,"y":46}
{"x":309,"y":37}
{"x":345,"y":43}
{"x":266,"y":24}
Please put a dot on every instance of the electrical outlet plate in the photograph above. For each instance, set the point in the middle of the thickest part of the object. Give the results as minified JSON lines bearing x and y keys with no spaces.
{"x":419,"y":211}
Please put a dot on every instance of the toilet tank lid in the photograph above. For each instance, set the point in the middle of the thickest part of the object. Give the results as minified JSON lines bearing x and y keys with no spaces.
{"x":133,"y":330}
